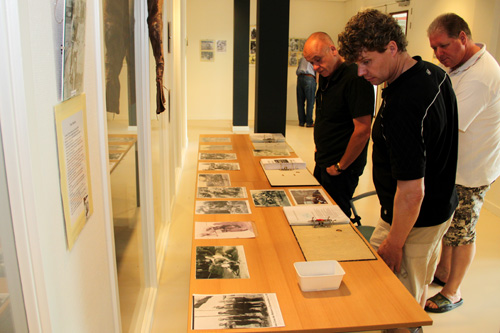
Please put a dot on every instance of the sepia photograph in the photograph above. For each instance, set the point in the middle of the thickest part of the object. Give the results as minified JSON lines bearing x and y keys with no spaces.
{"x":214,"y":139}
{"x":213,"y":179}
{"x":223,"y":207}
{"x":236,"y":311}
{"x":216,"y":147}
{"x":309,"y":196}
{"x":223,"y":230}
{"x":207,"y":166}
{"x":270,"y":198}
{"x":221,"y":262}
{"x":217,"y":156}
{"x":222,"y":192}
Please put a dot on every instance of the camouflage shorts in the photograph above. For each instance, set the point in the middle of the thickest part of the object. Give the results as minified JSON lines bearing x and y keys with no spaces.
{"x":462,"y":230}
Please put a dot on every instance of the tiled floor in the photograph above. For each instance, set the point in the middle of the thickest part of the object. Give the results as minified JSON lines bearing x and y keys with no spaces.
{"x":480,"y":290}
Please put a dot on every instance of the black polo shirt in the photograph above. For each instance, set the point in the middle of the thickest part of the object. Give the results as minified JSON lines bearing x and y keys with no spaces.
{"x":340,"y":98}
{"x":415,"y":135}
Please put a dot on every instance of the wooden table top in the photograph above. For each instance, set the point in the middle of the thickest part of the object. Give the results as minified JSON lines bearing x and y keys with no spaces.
{"x":370,"y":296}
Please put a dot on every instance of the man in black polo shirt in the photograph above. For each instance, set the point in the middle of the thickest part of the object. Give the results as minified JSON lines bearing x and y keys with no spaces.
{"x":344,"y":110}
{"x":415,"y":145}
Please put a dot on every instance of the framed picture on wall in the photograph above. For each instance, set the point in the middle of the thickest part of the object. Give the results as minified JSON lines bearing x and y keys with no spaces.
{"x":207,"y":49}
{"x":402,"y":19}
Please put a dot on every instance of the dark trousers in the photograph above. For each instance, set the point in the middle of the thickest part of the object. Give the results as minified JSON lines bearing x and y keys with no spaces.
{"x":340,"y":188}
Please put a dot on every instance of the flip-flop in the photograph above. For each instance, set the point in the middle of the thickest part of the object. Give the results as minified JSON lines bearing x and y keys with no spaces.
{"x":438,"y":282}
{"x":443,"y":303}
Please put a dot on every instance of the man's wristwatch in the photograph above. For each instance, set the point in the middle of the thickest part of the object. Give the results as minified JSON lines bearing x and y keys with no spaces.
{"x":338,"y":168}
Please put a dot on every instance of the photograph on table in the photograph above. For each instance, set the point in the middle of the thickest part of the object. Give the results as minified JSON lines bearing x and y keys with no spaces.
{"x":223,"y":207}
{"x":221,"y":262}
{"x":271,"y":152}
{"x":213,"y":179}
{"x":270,"y":198}
{"x":223,"y":230}
{"x":236,"y":311}
{"x":218,"y":192}
{"x":267,"y":137}
{"x":217,"y":156}
{"x":309,"y":196}
{"x":207,"y":166}
{"x":216,"y":147}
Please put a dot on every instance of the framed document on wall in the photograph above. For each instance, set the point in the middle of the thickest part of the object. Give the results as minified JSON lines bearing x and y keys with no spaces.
{"x":74,"y":169}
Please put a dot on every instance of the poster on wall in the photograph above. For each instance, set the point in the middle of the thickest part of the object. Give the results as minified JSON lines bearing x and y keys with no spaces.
{"x":295,"y":48}
{"x":73,"y":48}
{"x":207,"y":49}
{"x":74,"y":169}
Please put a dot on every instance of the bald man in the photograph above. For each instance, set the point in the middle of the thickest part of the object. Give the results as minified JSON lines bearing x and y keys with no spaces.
{"x":344,"y":111}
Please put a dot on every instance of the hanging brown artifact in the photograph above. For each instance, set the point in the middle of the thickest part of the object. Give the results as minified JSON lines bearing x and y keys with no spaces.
{"x":155,"y":25}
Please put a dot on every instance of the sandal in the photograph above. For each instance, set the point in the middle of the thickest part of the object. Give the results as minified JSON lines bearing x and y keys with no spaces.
{"x":443,"y":304}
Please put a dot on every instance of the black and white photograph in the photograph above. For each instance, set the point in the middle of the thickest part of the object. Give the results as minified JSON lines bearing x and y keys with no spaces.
{"x":271,"y":146}
{"x":236,"y":311}
{"x":221,"y":46}
{"x":214,"y":139}
{"x":213,"y":179}
{"x":216,"y":147}
{"x":293,"y":59}
{"x":207,"y":45}
{"x":253,"y":32}
{"x":223,"y":230}
{"x":207,"y":56}
{"x":270,"y":152}
{"x":217,"y":156}
{"x":309,"y":196}
{"x":283,"y":163}
{"x":216,"y":192}
{"x":223,"y":207}
{"x":270,"y":198}
{"x":208,"y":166}
{"x":293,"y":45}
{"x":267,"y":137}
{"x":221,"y":262}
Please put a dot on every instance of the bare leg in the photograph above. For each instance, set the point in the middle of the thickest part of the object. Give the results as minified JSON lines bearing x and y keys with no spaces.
{"x":461,"y":259}
{"x":444,"y":266}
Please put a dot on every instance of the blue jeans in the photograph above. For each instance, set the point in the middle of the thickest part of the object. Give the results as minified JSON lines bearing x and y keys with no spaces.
{"x":306,"y":90}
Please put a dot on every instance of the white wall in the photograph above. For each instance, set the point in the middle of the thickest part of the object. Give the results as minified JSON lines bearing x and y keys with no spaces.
{"x":79,"y":285}
{"x":210,"y":84}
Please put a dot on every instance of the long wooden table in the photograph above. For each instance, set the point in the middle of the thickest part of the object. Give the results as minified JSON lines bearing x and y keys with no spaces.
{"x":370,"y":296}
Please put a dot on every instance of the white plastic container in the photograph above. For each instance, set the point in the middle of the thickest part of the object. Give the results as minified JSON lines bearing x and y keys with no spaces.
{"x":319,"y":275}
